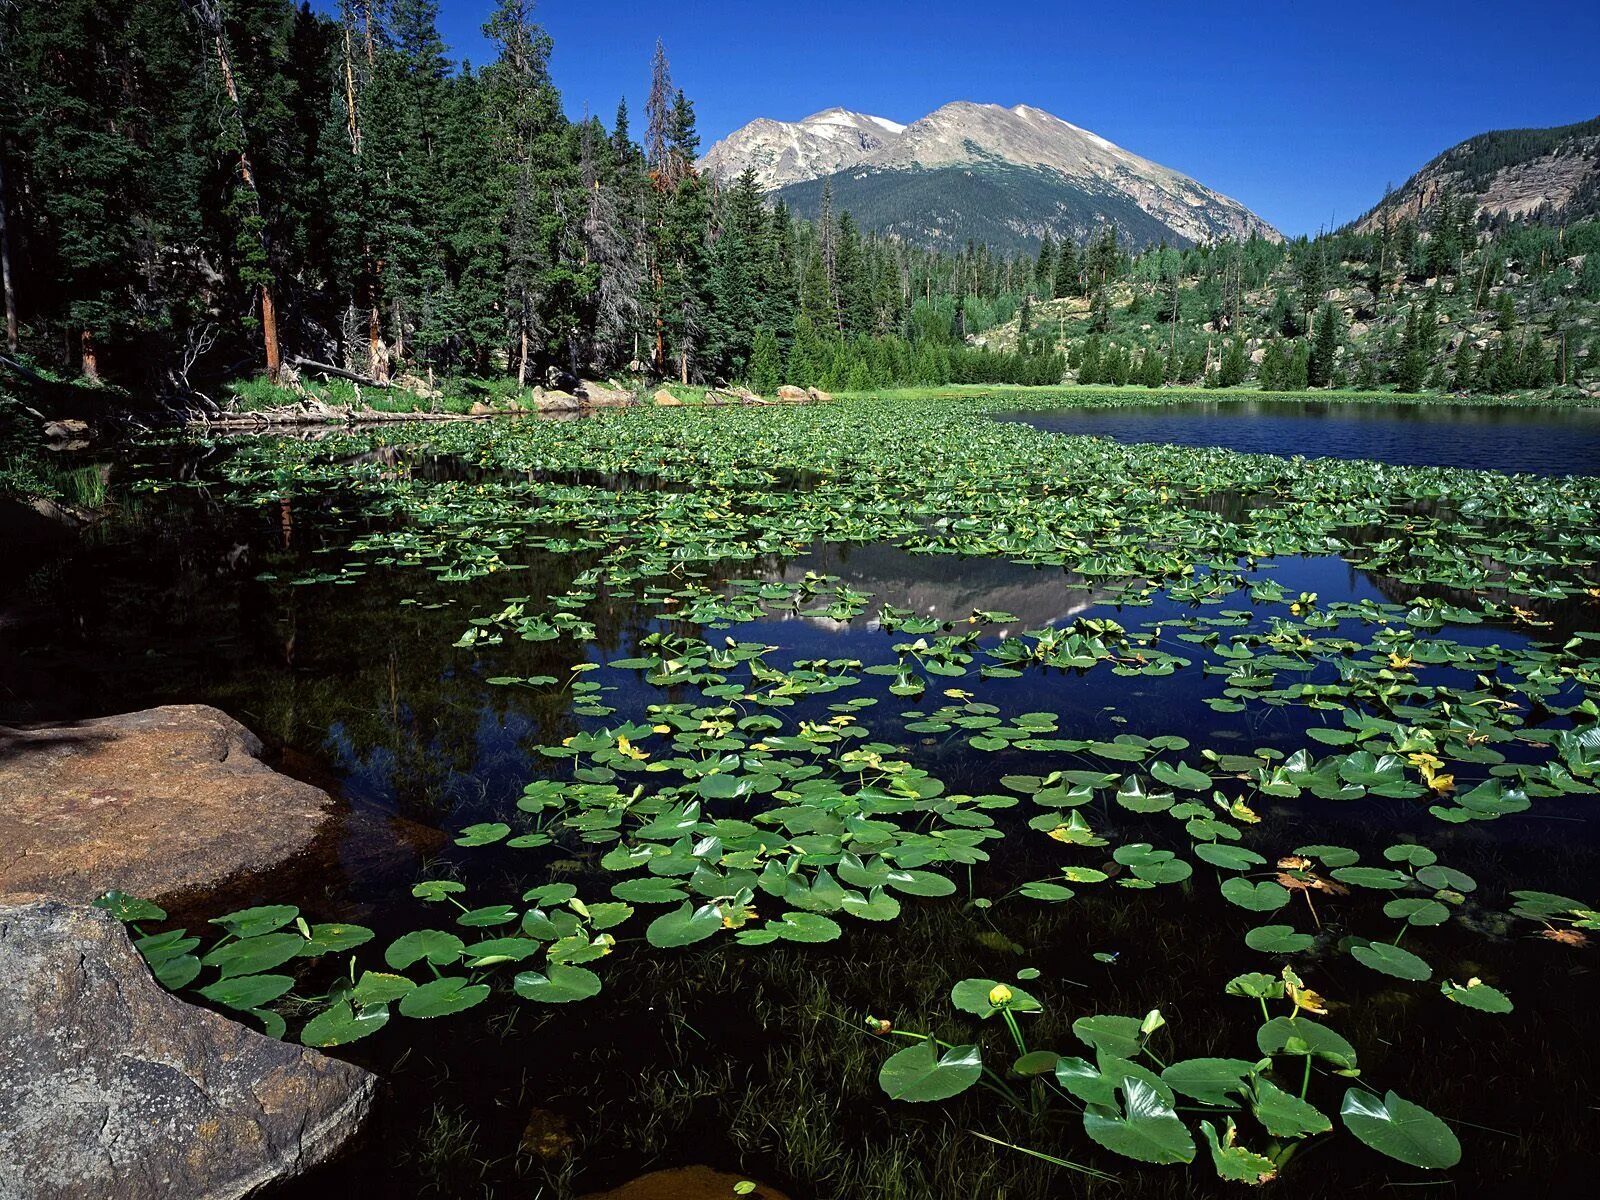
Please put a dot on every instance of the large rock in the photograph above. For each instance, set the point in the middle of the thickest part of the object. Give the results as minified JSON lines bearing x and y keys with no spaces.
{"x":600,"y":395}
{"x":666,"y":399}
{"x":153,"y":803}
{"x":686,"y":1183}
{"x":790,"y":394}
{"x":114,"y":1087}
{"x":556,"y":402}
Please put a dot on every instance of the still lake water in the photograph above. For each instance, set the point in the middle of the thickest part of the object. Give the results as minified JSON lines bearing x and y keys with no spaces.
{"x":696,"y":1057}
{"x":1538,"y":441}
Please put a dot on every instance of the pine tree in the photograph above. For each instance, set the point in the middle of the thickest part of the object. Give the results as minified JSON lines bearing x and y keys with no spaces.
{"x":1320,"y":364}
{"x":1312,"y":270}
{"x":1444,"y":235}
{"x":1044,"y":271}
{"x":1271,"y":373}
{"x":1100,"y":311}
{"x":1235,"y":365}
{"x":1505,"y":314}
{"x":1066,"y":277}
{"x":525,"y":111}
{"x":1150,"y":367}
{"x":1464,"y":375}
{"x":736,"y":278}
{"x":766,"y":363}
{"x":1104,"y":258}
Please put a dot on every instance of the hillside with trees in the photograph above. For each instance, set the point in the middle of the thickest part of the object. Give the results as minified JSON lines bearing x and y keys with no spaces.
{"x":220,"y":201}
{"x":1457,"y":305}
{"x":202,"y":192}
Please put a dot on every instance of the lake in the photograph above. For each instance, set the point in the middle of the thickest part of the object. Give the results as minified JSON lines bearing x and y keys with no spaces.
{"x":905,"y":703}
{"x":1536,"y":440}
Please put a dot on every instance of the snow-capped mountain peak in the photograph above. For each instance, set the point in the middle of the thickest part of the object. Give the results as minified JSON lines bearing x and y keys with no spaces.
{"x":1051,"y":154}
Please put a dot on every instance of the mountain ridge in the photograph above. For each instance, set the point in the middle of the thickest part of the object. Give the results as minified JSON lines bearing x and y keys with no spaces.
{"x":1552,"y":171}
{"x":1080,"y":180}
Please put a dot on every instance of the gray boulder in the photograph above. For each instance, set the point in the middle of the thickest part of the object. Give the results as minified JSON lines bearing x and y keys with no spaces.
{"x":114,"y":1087}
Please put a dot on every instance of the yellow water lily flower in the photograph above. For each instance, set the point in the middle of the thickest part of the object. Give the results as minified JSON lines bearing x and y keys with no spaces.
{"x":1000,"y":995}
{"x":1304,"y":998}
{"x":1430,"y":767}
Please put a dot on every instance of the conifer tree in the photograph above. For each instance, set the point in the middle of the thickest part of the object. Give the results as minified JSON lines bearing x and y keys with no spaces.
{"x":1325,"y":350}
{"x":766,"y":363}
{"x":1044,"y":271}
{"x":1464,"y":375}
{"x":1235,"y":365}
{"x":1150,"y":367}
{"x":1066,"y":277}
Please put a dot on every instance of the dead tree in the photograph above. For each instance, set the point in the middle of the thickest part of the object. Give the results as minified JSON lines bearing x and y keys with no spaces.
{"x":209,"y":18}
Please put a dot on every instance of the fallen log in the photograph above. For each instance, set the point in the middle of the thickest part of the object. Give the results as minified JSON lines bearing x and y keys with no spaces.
{"x":306,"y":364}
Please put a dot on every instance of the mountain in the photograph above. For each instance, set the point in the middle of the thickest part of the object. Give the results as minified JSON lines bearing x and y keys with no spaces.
{"x":1508,"y":173}
{"x":784,"y":152}
{"x":1003,"y":176}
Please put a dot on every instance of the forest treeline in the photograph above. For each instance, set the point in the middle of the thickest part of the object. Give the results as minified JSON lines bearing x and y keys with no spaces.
{"x":1456,"y":302}
{"x":201,"y":190}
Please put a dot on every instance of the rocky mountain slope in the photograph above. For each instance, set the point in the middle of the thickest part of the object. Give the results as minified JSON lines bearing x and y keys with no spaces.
{"x":1005,"y":176}
{"x":785,"y":152}
{"x":1508,"y":173}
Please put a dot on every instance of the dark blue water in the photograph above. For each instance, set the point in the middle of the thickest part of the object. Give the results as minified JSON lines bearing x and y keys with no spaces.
{"x":1538,"y":441}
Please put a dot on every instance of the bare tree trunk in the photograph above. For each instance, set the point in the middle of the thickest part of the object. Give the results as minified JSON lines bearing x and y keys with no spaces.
{"x":683,"y":367}
{"x":211,"y":19}
{"x":522,"y":352}
{"x":91,"y":356}
{"x":269,"y":335}
{"x":377,"y":355}
{"x":5,"y":267}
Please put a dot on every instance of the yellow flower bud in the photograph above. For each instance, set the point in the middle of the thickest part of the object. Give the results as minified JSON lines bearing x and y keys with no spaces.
{"x":1000,"y":995}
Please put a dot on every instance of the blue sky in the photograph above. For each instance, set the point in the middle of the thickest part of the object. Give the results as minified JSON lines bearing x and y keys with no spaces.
{"x":1302,"y":111}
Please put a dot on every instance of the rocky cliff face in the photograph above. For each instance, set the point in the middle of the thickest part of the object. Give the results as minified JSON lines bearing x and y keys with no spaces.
{"x":1506,"y":174}
{"x":784,"y":152}
{"x":1028,"y":171}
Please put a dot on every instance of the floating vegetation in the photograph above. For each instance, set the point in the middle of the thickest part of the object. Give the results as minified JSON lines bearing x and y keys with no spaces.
{"x":1307,"y":767}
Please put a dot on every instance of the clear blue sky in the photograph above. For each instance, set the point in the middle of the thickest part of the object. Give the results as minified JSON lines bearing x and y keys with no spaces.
{"x":1302,"y":111}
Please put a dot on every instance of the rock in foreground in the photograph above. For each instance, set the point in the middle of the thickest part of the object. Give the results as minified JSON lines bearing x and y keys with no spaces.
{"x":686,"y":1183}
{"x":153,"y":803}
{"x":114,"y":1087}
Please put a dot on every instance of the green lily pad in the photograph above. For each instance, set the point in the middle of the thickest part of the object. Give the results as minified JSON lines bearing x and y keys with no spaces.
{"x":1391,"y":960}
{"x":339,"y":1024}
{"x":1402,"y":1130}
{"x":920,"y":1073}
{"x":1144,"y":1127}
{"x":558,"y":985}
{"x":443,"y":997}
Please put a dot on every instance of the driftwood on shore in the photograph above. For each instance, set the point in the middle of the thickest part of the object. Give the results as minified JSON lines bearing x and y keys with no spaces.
{"x":295,"y":415}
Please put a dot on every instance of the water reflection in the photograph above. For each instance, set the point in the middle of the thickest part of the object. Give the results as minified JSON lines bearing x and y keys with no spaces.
{"x":1539,"y":441}
{"x":944,"y":588}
